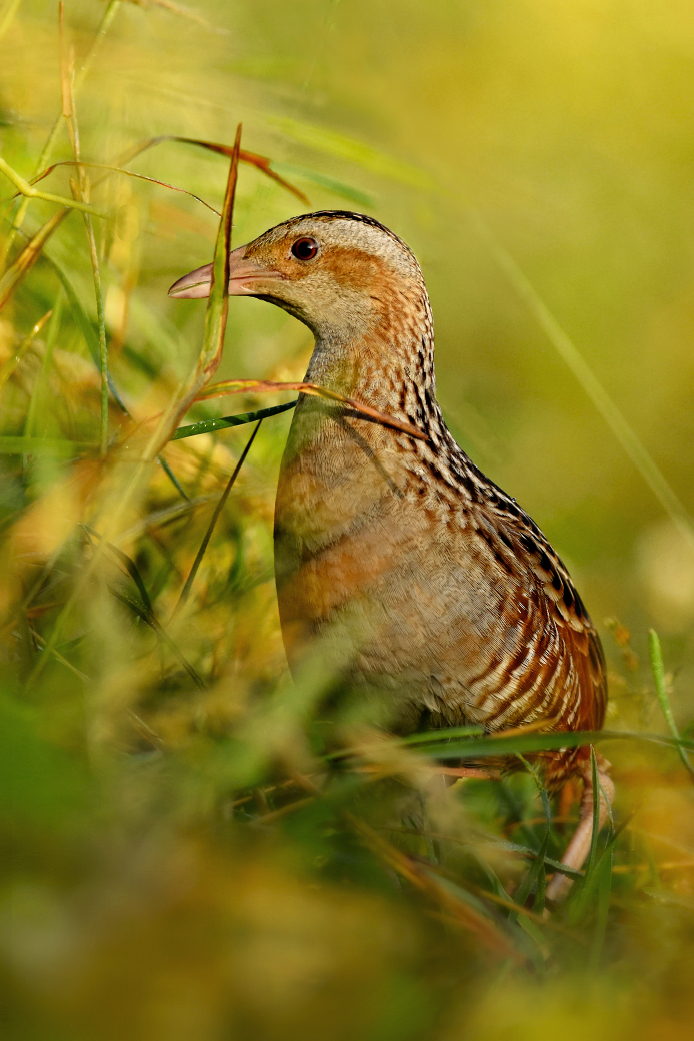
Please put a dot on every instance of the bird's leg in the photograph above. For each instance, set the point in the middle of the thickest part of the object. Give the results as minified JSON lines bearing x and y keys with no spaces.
{"x":579,"y":847}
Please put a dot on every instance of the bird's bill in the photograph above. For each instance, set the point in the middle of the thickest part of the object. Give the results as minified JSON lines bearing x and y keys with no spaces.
{"x":244,"y":276}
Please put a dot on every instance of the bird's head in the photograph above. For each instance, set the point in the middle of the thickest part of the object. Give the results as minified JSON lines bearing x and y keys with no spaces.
{"x":342,"y":274}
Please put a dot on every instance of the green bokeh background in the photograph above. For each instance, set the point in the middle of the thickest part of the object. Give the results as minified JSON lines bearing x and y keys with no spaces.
{"x":567,"y":130}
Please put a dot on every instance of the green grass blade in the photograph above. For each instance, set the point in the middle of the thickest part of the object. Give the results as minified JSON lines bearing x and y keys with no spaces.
{"x":127,"y":563}
{"x":604,"y":887}
{"x":323,"y":181}
{"x":172,"y":477}
{"x":515,"y":847}
{"x":149,"y":619}
{"x":484,"y":747}
{"x":658,"y":669}
{"x":101,"y":325}
{"x":581,"y":900}
{"x":541,"y":789}
{"x":208,"y":426}
{"x":596,"y":813}
{"x":536,"y":873}
{"x":185,"y":592}
{"x":531,"y":876}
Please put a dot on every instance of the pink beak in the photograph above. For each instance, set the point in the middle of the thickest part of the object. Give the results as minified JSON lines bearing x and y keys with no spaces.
{"x":243,"y":274}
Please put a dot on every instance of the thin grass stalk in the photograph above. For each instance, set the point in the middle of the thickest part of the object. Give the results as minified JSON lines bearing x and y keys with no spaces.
{"x":658,"y":670}
{"x":81,"y":191}
{"x":104,"y":25}
{"x":544,"y":797}
{"x":185,"y":592}
{"x":215,"y":314}
{"x":596,"y":813}
{"x":623,"y":431}
{"x":126,"y":173}
{"x":149,"y":619}
{"x":101,"y":322}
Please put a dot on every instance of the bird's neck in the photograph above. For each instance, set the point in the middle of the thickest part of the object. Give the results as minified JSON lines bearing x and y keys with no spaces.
{"x":389,"y":366}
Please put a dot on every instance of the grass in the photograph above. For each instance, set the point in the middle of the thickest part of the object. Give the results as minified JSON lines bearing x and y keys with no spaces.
{"x":190,"y":855}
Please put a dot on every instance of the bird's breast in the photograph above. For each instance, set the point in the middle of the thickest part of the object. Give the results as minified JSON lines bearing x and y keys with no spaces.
{"x":362,"y":533}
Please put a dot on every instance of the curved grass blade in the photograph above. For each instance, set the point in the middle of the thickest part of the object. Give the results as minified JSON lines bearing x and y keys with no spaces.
{"x":118,"y":169}
{"x":366,"y":156}
{"x":215,"y":390}
{"x":532,"y":876}
{"x":536,"y":873}
{"x":24,"y":188}
{"x":596,"y":814}
{"x":603,"y":874}
{"x":261,"y":162}
{"x":172,"y":477}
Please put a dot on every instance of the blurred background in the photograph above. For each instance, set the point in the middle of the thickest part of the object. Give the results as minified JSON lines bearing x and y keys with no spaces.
{"x":539,"y":159}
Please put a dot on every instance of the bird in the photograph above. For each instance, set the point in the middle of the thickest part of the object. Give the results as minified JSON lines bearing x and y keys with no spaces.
{"x":439,"y":596}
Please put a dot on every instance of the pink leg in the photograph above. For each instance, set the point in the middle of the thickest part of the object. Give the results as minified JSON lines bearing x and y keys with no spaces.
{"x":579,"y":847}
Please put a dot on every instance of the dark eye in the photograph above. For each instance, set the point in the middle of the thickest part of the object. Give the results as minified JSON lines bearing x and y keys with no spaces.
{"x":305,"y":249}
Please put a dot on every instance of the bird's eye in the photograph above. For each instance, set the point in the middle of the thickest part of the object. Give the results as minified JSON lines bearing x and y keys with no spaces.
{"x":305,"y":249}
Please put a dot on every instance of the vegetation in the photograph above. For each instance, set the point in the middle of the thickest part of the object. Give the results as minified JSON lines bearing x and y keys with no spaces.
{"x":184,"y":856}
